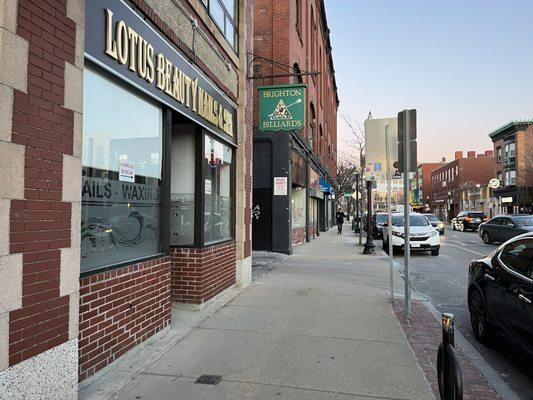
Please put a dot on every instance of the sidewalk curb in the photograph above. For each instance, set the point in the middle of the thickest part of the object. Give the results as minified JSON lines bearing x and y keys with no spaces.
{"x":490,"y":374}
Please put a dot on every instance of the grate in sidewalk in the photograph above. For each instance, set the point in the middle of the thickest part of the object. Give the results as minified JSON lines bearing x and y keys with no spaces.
{"x":209,"y":379}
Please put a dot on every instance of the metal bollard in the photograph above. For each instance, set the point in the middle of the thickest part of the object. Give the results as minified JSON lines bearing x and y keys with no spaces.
{"x":448,"y":367}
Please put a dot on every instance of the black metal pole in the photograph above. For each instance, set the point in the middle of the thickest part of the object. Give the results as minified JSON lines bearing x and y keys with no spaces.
{"x":356,"y":203}
{"x":447,"y":339}
{"x":369,"y":245}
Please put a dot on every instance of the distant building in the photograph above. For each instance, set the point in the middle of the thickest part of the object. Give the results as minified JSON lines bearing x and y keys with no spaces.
{"x":421,"y":184}
{"x":513,"y":167}
{"x":376,"y":159}
{"x":451,"y":179}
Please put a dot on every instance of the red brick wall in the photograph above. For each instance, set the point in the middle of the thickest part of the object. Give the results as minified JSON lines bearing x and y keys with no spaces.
{"x":524,"y":157}
{"x":298,"y":235}
{"x":40,"y":224}
{"x":120,"y":309}
{"x":278,"y":38}
{"x":200,"y":274}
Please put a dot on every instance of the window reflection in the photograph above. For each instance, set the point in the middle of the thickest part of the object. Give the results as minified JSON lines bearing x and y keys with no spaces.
{"x":121,"y":177}
{"x":217,"y":189}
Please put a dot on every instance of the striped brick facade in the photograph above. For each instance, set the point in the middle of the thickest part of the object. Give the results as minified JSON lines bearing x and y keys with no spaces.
{"x":39,"y":310}
{"x":55,"y":328}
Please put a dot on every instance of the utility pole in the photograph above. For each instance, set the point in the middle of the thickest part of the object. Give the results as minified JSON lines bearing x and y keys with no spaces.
{"x":407,"y":163}
{"x":389,"y":152}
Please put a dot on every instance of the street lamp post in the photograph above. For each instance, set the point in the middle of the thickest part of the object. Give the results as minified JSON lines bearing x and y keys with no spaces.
{"x":357,"y":202}
{"x":369,"y":245}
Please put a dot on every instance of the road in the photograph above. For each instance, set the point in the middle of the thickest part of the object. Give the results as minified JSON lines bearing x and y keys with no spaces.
{"x":444,"y":281}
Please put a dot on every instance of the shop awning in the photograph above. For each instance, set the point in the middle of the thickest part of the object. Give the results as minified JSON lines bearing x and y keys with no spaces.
{"x":325,"y":187}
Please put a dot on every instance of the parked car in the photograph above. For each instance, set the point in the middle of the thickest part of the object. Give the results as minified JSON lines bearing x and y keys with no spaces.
{"x":505,"y":227}
{"x":435,"y":222}
{"x":468,"y":220}
{"x":422,"y":234}
{"x":500,"y":295}
{"x":378,"y":219}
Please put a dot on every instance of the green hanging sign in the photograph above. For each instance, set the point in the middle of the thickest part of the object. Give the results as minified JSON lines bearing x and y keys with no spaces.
{"x":282,"y":107}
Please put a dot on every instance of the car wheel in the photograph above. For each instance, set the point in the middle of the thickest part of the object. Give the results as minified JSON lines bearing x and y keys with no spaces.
{"x":462,"y":227}
{"x":435,"y":252}
{"x":486,"y":237}
{"x":453,"y":226}
{"x":478,"y":317}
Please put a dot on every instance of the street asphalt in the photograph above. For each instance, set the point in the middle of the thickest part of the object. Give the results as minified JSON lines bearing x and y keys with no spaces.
{"x":444,"y":280}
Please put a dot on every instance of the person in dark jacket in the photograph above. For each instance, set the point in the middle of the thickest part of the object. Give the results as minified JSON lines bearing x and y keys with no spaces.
{"x":340,"y":220}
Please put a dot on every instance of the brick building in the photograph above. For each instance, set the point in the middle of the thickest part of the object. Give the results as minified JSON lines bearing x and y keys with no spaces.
{"x":450,"y":180}
{"x":126,"y":170}
{"x":423,"y":178}
{"x":292,"y":46}
{"x":513,"y":167}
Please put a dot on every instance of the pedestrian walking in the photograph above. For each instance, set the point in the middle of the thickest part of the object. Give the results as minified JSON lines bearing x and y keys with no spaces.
{"x":340,"y":219}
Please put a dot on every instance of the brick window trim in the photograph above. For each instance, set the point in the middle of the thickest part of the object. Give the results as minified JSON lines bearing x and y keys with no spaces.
{"x":121,"y":265}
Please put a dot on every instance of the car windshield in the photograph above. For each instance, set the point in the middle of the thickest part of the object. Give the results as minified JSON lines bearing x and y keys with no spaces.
{"x":414,"y":220}
{"x":431,"y":217}
{"x":525,"y":220}
{"x":476,"y":215}
{"x":381,"y":218}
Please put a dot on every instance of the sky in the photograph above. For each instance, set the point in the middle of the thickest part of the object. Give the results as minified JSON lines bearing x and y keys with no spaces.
{"x":465,"y":65}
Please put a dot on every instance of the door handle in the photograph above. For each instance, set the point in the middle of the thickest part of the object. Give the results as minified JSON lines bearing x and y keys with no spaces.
{"x":490,"y":277}
{"x":524,"y":299}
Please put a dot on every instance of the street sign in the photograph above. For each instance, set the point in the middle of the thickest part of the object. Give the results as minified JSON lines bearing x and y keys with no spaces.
{"x":282,"y":107}
{"x":412,"y":156}
{"x":407,"y":134}
{"x":347,"y":195}
{"x":411,"y":128}
{"x":494,"y":183}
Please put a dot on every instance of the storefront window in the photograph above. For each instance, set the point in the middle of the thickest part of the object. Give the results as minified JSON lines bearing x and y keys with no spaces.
{"x":217,"y":189}
{"x":298,"y":207}
{"x":121,"y":182}
{"x":182,"y":185}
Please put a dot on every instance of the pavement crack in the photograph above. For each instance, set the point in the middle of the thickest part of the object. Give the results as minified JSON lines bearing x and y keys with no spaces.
{"x":334,"y":392}
{"x":300,"y":335}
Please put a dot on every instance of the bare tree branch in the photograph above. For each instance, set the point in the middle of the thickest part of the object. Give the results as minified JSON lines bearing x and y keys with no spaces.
{"x":356,"y":143}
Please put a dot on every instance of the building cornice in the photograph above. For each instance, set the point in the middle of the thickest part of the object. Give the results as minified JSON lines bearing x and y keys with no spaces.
{"x":509,"y":128}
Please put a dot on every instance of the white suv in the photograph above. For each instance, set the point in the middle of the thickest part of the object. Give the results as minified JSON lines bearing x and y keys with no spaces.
{"x":423,"y":236}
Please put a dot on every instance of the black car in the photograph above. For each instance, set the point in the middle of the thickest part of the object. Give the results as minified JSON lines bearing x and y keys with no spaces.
{"x":378,"y":219}
{"x":505,"y":227}
{"x":500,"y":295}
{"x":435,"y":222}
{"x":466,"y":220}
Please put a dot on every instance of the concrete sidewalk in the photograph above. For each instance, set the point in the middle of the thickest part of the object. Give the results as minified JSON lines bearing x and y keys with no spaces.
{"x":319,"y":326}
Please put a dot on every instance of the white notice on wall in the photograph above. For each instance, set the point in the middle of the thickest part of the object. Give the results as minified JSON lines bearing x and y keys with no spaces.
{"x":207,"y":186}
{"x":280,"y":186}
{"x":126,"y":171}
